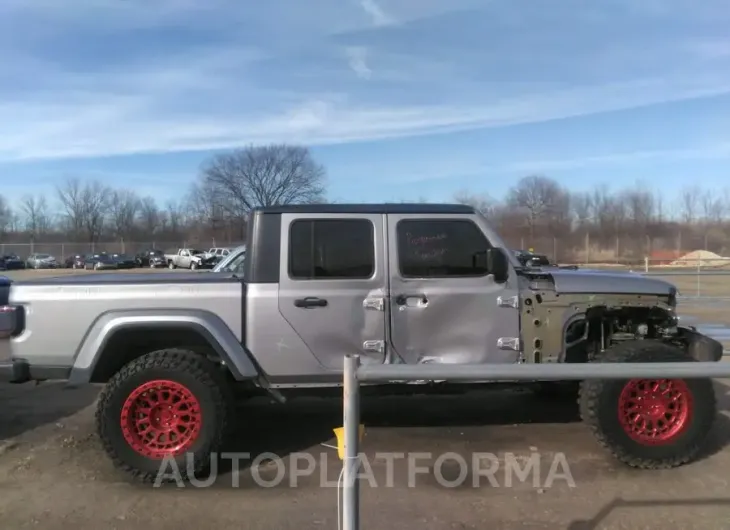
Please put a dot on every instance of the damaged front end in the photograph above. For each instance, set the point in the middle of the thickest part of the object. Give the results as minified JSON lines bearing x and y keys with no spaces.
{"x":574,"y":316}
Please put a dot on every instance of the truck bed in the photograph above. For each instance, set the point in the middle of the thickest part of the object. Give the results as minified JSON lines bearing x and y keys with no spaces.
{"x":132,"y":278}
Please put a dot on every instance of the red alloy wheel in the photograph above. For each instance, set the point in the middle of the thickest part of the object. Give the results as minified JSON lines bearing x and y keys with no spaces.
{"x":655,"y":412}
{"x":161,"y":418}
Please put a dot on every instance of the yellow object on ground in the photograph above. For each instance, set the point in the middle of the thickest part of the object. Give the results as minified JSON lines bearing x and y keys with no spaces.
{"x":340,"y":434}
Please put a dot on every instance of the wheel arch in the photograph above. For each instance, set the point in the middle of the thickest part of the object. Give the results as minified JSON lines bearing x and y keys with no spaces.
{"x":118,"y":337}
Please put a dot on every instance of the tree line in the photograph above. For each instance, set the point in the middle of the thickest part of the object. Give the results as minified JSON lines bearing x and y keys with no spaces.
{"x":536,"y":212}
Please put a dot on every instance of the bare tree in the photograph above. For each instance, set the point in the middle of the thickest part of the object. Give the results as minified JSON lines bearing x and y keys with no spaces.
{"x":539,"y":197}
{"x":95,"y":200}
{"x":713,"y":207}
{"x":690,"y":199}
{"x":175,"y":216}
{"x":70,"y":195}
{"x":264,"y":176}
{"x":483,"y":203}
{"x":582,"y":204}
{"x":150,"y":215}
{"x":6,"y":215}
{"x":123,"y":208}
{"x":35,"y":210}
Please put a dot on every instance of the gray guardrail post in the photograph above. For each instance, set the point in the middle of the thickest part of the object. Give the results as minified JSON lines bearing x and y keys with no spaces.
{"x":351,"y":461}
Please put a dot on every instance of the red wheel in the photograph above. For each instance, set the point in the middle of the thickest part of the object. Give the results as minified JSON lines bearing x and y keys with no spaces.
{"x":655,"y":412}
{"x":161,"y":418}
{"x":649,"y":424}
{"x":166,"y":404}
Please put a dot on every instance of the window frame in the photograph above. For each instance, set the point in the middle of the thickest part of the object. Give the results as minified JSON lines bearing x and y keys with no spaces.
{"x":433,"y":220}
{"x":312,"y":221}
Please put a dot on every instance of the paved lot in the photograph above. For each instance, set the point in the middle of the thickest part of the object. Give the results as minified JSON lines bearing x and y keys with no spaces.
{"x":53,"y":474}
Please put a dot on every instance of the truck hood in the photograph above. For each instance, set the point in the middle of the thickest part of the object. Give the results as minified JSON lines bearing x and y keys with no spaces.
{"x":607,"y":282}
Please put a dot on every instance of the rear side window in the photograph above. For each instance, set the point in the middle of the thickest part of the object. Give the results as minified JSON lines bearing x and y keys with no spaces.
{"x":330,"y":249}
{"x":441,"y":249}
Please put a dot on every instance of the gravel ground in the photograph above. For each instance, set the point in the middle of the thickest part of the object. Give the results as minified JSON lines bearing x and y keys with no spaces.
{"x":54,"y":474}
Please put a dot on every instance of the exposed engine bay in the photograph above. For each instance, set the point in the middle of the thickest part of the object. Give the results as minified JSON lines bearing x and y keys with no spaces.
{"x":567,"y":325}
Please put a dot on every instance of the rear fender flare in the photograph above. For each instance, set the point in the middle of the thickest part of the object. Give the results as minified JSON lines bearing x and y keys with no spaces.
{"x":90,"y":352}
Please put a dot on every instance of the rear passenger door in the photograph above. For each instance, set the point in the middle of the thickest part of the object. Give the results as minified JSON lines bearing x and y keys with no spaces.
{"x":332,"y":284}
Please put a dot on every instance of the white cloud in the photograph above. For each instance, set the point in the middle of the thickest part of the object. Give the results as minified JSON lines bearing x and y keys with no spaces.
{"x":357,"y":59}
{"x":379,"y":17}
{"x":226,"y":85}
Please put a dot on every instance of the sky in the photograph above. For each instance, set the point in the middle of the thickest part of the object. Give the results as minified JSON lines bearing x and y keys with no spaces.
{"x":398,"y":99}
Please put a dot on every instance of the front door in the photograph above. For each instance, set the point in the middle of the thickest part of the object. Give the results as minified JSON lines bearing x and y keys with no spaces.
{"x":332,"y":285}
{"x":444,"y":305}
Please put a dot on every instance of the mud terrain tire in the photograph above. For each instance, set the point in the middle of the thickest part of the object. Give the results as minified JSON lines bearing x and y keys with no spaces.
{"x":649,"y":424}
{"x":177,"y":391}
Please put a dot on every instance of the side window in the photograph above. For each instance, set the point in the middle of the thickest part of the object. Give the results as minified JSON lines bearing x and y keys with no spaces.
{"x":330,"y":249}
{"x":441,"y":249}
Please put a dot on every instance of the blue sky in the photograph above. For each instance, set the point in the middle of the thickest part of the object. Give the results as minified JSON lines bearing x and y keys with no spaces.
{"x":400,"y":99}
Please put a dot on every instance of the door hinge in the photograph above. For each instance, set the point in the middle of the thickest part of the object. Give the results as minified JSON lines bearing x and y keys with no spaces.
{"x":508,"y":343}
{"x":375,"y":304}
{"x":510,"y":301}
{"x":374,"y":346}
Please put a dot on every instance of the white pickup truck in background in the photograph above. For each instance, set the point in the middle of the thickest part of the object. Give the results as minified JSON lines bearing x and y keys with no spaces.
{"x":189,"y":258}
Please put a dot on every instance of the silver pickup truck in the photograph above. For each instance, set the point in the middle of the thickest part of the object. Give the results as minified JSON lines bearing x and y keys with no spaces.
{"x":394,"y":283}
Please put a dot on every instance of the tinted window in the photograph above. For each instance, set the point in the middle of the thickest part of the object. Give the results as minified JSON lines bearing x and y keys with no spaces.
{"x":439,"y":248}
{"x":331,"y":249}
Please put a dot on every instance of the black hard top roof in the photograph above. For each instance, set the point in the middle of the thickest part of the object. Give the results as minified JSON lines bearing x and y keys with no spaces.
{"x":379,"y":208}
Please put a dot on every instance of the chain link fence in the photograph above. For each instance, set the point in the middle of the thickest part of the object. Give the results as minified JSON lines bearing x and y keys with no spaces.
{"x":64,"y":250}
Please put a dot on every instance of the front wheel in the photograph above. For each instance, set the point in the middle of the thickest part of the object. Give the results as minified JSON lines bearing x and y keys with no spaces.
{"x":649,"y":423}
{"x":170,"y":265}
{"x":166,"y":404}
{"x":193,"y":266}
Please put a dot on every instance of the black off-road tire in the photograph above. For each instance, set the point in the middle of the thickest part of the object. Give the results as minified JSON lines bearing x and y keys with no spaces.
{"x":599,"y":409}
{"x":205,"y":382}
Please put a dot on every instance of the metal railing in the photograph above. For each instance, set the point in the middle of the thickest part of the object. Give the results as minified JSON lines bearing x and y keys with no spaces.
{"x":354,"y":373}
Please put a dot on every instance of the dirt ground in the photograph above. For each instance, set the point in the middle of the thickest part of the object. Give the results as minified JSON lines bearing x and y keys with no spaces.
{"x":53,"y":474}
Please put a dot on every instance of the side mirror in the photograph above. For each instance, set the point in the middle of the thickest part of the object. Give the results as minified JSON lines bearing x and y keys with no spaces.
{"x":498,"y":264}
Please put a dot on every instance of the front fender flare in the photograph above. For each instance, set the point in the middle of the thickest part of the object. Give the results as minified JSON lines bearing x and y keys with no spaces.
{"x":239,"y":361}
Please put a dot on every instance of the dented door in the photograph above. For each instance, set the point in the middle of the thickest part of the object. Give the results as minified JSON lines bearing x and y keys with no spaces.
{"x":332,"y":285}
{"x":444,"y":306}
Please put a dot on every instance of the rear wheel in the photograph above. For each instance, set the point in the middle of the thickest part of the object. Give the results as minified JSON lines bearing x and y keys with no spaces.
{"x":166,"y":404}
{"x":649,"y":423}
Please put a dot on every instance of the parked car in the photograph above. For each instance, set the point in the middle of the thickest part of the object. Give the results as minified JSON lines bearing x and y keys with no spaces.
{"x":124,"y":261}
{"x":393,"y":283}
{"x":218,"y":253}
{"x":10,"y":262}
{"x":189,"y":258}
{"x":99,"y":262}
{"x":41,"y":261}
{"x":75,"y":261}
{"x":528,"y":258}
{"x":151,"y":258}
{"x":234,"y":262}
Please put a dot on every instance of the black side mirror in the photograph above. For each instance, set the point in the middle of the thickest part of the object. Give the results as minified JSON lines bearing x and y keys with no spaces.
{"x":498,"y":264}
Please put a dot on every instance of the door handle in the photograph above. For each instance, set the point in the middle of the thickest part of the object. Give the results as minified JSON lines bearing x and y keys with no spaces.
{"x":402,"y":299}
{"x":310,"y":301}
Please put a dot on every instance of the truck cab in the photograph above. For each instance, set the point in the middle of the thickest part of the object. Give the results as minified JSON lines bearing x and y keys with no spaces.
{"x":377,"y":280}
